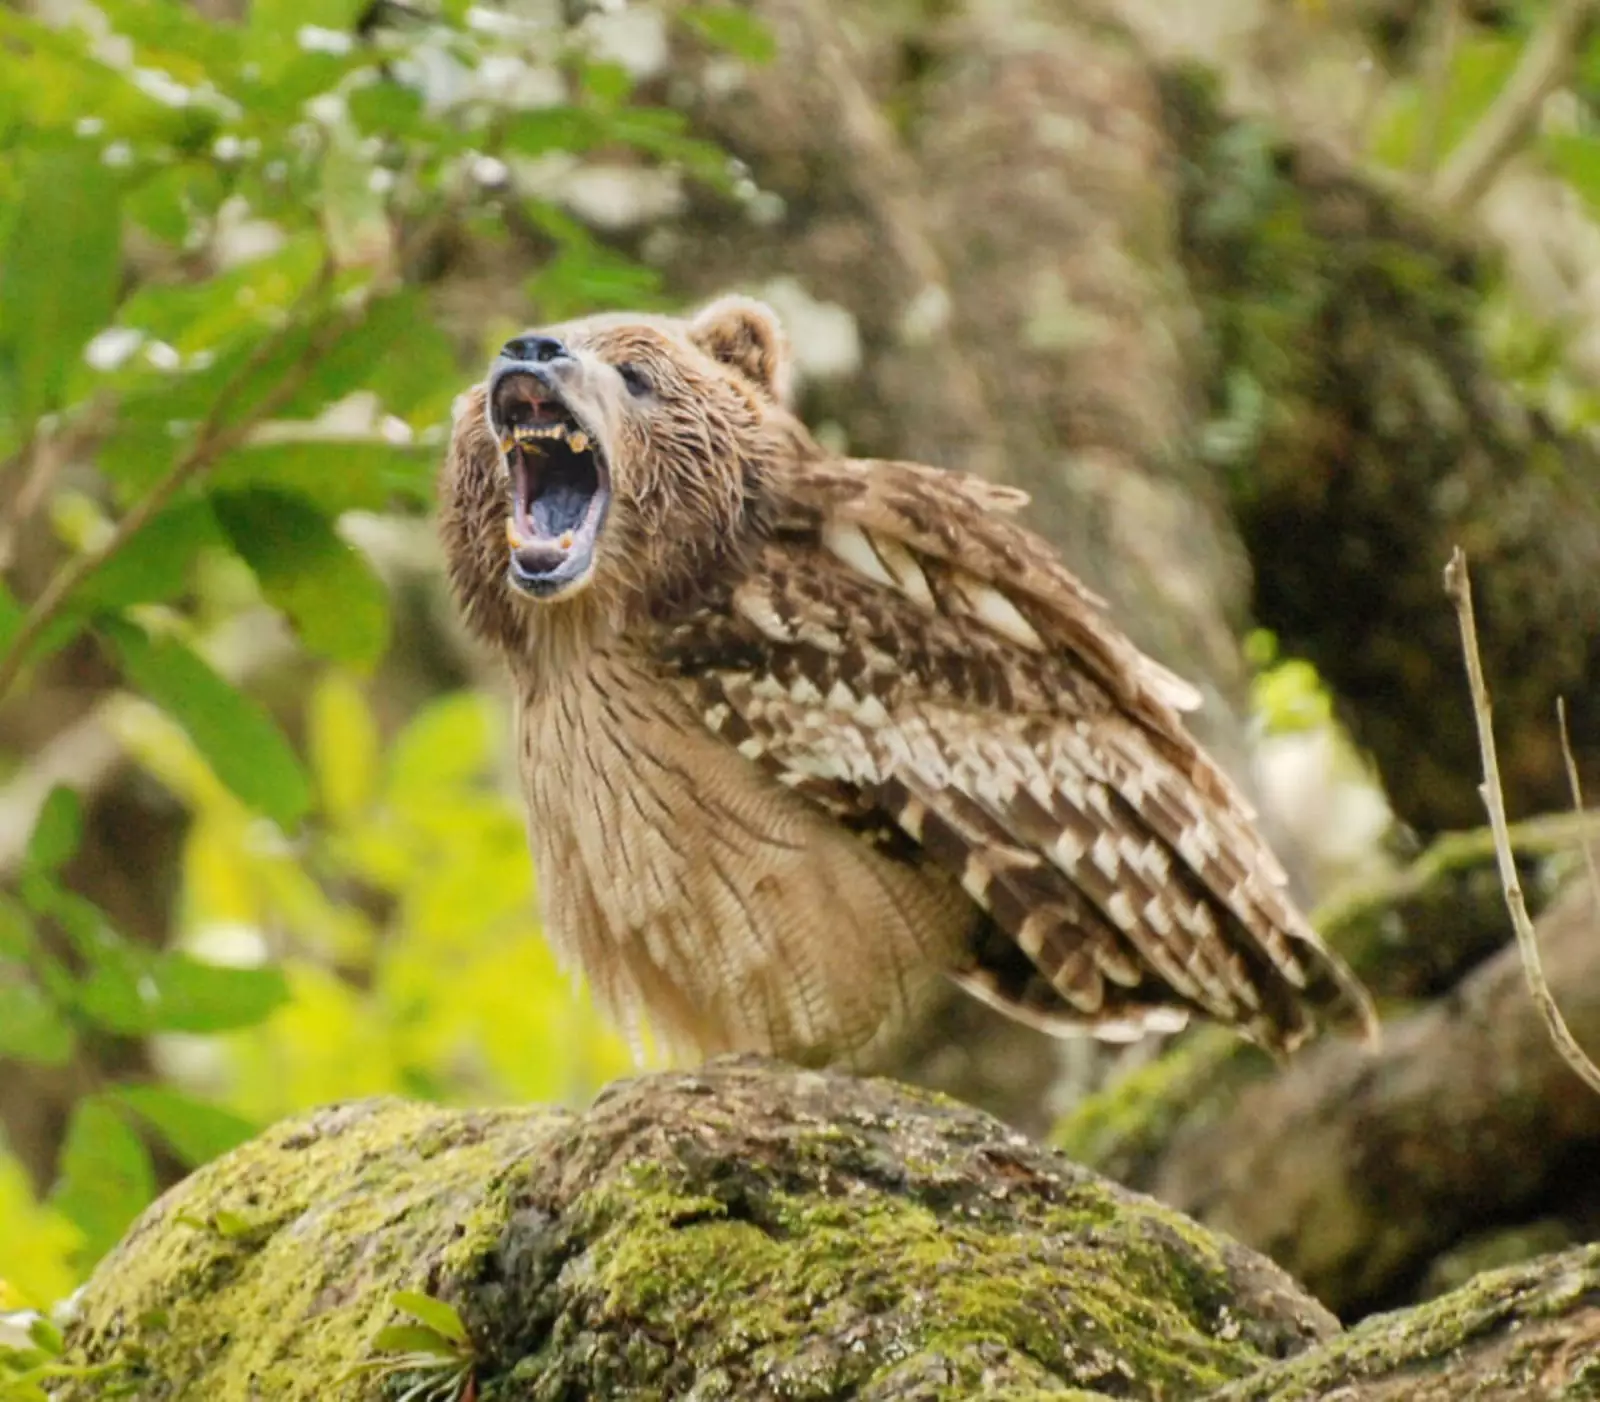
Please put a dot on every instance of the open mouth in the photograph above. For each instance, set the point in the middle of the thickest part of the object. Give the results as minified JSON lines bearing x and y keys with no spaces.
{"x":559,"y":485}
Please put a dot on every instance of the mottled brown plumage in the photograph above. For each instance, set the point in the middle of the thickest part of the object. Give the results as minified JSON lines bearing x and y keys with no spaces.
{"x":800,"y":734}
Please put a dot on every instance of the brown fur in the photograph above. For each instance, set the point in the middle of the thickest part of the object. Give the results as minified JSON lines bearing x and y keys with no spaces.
{"x":692,"y":471}
{"x":817,"y":730}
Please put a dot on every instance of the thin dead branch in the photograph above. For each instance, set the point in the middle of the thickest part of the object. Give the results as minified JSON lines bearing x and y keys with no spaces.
{"x":1576,"y":785}
{"x":1459,"y":587}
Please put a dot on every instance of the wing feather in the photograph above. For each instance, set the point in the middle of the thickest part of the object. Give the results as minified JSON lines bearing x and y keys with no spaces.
{"x":925,"y":671}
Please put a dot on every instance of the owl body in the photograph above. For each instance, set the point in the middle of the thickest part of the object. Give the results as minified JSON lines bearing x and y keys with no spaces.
{"x":801,"y":735}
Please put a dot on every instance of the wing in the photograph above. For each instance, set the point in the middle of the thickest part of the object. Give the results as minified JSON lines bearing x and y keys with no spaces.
{"x":914,"y":662}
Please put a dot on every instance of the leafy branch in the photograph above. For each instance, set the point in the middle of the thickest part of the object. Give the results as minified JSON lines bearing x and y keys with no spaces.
{"x":216,"y":436}
{"x":1545,"y":62}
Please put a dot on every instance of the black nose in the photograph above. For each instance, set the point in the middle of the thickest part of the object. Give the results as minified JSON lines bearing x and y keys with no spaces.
{"x":534,"y":350}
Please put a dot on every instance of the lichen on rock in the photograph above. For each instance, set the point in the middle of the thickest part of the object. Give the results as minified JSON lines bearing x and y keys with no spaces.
{"x":744,"y":1231}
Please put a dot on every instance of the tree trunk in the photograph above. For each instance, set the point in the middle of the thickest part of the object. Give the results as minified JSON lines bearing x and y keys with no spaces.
{"x":1356,"y":1170}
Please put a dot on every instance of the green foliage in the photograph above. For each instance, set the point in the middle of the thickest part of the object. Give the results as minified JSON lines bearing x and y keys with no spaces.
{"x":58,"y":274}
{"x":1426,"y":115}
{"x":733,"y":29}
{"x":1415,"y":114}
{"x":244,"y":746}
{"x":433,"y":1354}
{"x":1287,"y":694}
{"x":217,"y":340}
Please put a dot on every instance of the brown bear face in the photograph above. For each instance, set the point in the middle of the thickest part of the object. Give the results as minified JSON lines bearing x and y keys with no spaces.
{"x":630,"y":449}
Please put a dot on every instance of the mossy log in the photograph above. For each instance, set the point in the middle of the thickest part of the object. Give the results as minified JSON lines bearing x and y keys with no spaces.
{"x":748,"y":1231}
{"x":1354,"y":1170}
{"x":1530,"y":1333}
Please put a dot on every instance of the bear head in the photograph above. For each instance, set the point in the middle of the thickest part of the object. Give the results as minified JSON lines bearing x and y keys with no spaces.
{"x":613,"y":460}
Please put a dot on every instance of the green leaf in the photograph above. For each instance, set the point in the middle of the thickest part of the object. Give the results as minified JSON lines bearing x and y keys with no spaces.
{"x":11,"y":615}
{"x":173,"y":201}
{"x":133,"y":991}
{"x":335,"y":476}
{"x":737,"y":31}
{"x":59,"y":273}
{"x":281,"y":20}
{"x":355,"y":216}
{"x":17,"y":936}
{"x":32,"y":1028}
{"x":387,"y":109}
{"x":195,"y":1131}
{"x":105,"y":1178}
{"x":338,"y":606}
{"x":411,"y":1338}
{"x":155,"y":565}
{"x":605,"y":84}
{"x":177,"y":38}
{"x":238,"y":738}
{"x":345,"y":747}
{"x":1576,"y":158}
{"x":540,"y":130}
{"x":45,"y":1335}
{"x":397,"y":351}
{"x":191,"y":995}
{"x":238,"y":305}
{"x":435,"y":1314}
{"x":585,"y":275}
{"x":115,"y":991}
{"x":57,"y":831}
{"x":445,"y":746}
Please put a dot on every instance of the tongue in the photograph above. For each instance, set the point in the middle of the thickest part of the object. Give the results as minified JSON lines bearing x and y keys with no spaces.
{"x":559,"y":507}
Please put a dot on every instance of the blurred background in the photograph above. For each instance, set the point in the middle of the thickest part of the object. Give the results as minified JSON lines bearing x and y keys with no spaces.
{"x":1268,"y":303}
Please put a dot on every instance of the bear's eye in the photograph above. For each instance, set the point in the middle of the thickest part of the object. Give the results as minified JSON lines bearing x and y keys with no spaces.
{"x":634,"y":377}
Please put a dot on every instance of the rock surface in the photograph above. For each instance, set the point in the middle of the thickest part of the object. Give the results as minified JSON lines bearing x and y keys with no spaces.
{"x":747,"y":1231}
{"x":751,"y":1231}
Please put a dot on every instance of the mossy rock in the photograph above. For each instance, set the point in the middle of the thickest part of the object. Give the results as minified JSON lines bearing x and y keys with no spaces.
{"x":747,"y":1231}
{"x":1528,"y":1333}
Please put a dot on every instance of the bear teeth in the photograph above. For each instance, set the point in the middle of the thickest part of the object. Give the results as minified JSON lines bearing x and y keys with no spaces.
{"x":523,"y":433}
{"x":576,"y":439}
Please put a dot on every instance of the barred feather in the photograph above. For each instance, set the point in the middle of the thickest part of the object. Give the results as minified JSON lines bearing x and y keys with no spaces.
{"x":916,"y":665}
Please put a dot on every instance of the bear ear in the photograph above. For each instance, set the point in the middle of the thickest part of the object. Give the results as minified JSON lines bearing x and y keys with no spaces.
{"x":745,"y":335}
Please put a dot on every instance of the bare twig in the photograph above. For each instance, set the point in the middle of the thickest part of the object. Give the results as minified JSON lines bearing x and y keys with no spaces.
{"x":1459,"y":587}
{"x":1545,"y":62}
{"x":1576,"y":785}
{"x":212,"y":439}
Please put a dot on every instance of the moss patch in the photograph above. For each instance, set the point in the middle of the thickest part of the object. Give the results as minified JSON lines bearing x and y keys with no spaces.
{"x":747,"y":1232}
{"x":1122,"y":1130}
{"x":1531,"y":1331}
{"x":267,"y":1273}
